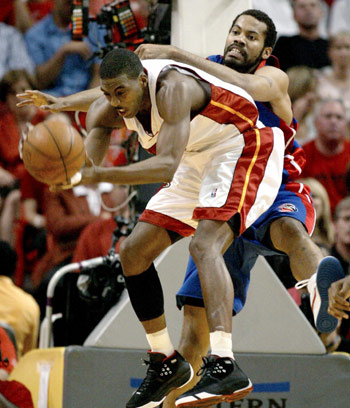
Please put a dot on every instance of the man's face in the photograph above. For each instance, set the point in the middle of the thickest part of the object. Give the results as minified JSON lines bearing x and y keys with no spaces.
{"x":244,"y":47}
{"x":339,"y":51}
{"x":330,"y":123}
{"x":307,"y":13}
{"x":342,"y":227}
{"x":125,"y":94}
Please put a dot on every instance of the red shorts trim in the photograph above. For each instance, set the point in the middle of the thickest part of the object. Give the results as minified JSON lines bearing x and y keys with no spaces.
{"x":169,"y":223}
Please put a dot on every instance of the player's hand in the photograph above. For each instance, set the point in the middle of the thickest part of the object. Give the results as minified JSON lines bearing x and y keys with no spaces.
{"x":338,"y":295}
{"x":41,"y":100}
{"x":155,"y":51}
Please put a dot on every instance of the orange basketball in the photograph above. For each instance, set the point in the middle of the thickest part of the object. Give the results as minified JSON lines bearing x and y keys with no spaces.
{"x":53,"y":152}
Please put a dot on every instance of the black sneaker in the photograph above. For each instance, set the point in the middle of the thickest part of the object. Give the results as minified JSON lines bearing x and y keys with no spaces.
{"x":164,"y":374}
{"x":222,"y":380}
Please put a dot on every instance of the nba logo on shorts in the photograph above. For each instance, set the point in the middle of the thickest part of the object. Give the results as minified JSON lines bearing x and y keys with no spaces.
{"x":288,"y":207}
{"x":213,"y":193}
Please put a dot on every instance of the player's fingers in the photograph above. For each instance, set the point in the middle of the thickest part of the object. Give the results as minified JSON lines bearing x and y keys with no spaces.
{"x":339,"y":314}
{"x":25,"y":102}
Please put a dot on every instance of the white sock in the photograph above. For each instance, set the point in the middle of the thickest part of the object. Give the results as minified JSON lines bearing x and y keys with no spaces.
{"x":160,"y":342}
{"x":221,"y":344}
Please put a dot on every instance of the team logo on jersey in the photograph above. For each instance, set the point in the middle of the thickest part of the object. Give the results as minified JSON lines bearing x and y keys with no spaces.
{"x":213,"y":193}
{"x":287,"y":207}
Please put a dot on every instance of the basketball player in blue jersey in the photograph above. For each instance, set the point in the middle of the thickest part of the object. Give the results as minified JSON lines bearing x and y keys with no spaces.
{"x":286,"y":227}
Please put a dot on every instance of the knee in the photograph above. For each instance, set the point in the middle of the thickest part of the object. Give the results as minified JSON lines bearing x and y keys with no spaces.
{"x":128,"y":257}
{"x":287,"y":232}
{"x":198,"y":248}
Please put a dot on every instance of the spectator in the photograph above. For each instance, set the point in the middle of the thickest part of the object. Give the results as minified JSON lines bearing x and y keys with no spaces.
{"x":339,"y":16}
{"x":281,"y":12}
{"x":67,"y":213}
{"x":307,"y":47}
{"x":323,"y":234}
{"x":17,"y":308}
{"x":30,"y":231}
{"x":14,"y":120}
{"x":89,"y":246}
{"x":302,"y":92}
{"x":61,"y":64}
{"x":334,"y":81}
{"x":327,"y":156}
{"x":23,"y":14}
{"x":13,"y":51}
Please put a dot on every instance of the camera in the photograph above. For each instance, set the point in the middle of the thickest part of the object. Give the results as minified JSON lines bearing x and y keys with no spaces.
{"x":102,"y":284}
{"x":120,"y":24}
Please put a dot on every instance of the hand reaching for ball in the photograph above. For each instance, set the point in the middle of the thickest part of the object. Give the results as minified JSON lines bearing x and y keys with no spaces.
{"x":41,"y":100}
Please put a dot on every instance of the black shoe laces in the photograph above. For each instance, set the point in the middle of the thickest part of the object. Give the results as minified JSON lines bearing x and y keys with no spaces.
{"x":151,"y":375}
{"x":206,"y":367}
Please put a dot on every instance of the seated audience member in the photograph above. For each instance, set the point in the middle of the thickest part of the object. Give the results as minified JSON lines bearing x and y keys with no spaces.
{"x":340,"y":340}
{"x":23,"y":14}
{"x":67,"y":213}
{"x":339,"y":16}
{"x":14,"y":120}
{"x":11,"y":392}
{"x":96,"y":238}
{"x":17,"y":308}
{"x":62,"y":65}
{"x":327,"y":156}
{"x":302,"y":92}
{"x":13,"y":51}
{"x":308,"y":47}
{"x":323,"y":234}
{"x":281,"y":13}
{"x":30,"y":231}
{"x":334,"y":81}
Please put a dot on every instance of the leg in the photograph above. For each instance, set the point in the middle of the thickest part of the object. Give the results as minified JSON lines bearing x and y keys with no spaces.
{"x":209,"y":242}
{"x":290,"y":236}
{"x":221,"y":378}
{"x":307,"y":262}
{"x":194,"y":343}
{"x":137,"y":253}
{"x":167,"y":370}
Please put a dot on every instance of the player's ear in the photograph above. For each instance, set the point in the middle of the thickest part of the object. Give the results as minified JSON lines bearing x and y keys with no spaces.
{"x":143,"y":80}
{"x":267,"y":52}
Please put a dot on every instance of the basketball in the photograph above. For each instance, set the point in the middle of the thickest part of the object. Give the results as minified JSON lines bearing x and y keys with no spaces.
{"x":53,"y":151}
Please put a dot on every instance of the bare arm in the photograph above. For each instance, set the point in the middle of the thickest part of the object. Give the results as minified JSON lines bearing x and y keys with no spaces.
{"x":175,"y":99}
{"x":268,"y":84}
{"x":48,"y":71}
{"x":100,"y":121}
{"x":80,"y":101}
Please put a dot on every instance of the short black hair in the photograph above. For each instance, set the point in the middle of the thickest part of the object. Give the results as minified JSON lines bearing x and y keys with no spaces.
{"x":120,"y":61}
{"x":8,"y":258}
{"x":271,"y":33}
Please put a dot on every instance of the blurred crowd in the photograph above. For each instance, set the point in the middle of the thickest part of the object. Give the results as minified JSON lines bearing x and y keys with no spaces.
{"x":41,"y":231}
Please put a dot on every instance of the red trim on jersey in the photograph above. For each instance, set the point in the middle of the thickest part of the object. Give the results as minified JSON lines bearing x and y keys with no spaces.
{"x":244,"y":116}
{"x":249,"y":172}
{"x":304,"y":193}
{"x":169,"y":223}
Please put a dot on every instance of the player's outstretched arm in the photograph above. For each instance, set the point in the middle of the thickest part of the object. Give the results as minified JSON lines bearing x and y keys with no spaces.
{"x":338,"y":295}
{"x":80,"y":101}
{"x":268,"y":84}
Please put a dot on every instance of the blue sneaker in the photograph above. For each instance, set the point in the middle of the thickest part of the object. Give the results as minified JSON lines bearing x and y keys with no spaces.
{"x":329,"y":270}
